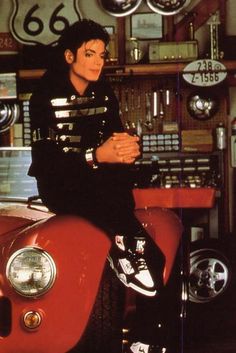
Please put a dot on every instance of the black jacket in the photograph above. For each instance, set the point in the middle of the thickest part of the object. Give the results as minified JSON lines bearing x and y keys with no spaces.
{"x":67,"y":184}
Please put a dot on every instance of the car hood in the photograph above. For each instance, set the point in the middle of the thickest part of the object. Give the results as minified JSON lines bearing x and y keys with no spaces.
{"x":14,"y":215}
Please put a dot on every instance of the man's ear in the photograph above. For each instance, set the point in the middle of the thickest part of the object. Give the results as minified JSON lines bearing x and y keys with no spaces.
{"x":69,"y":56}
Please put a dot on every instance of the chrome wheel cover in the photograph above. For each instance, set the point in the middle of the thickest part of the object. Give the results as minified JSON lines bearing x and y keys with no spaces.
{"x":209,"y":275}
{"x":119,"y":8}
{"x":167,"y":7}
{"x":9,"y":114}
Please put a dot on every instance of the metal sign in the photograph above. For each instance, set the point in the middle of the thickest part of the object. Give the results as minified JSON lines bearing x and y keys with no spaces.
{"x":8,"y":45}
{"x":42,"y":21}
{"x":204,"y":73}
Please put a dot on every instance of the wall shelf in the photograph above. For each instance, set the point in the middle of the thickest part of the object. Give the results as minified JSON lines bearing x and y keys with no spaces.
{"x":137,"y":70}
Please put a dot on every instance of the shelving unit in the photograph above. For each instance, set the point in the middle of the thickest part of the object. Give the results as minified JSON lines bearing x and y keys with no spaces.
{"x":132,"y":82}
{"x":137,"y":70}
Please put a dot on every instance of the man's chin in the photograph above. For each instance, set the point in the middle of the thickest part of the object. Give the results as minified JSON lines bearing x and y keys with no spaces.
{"x":93,"y":78}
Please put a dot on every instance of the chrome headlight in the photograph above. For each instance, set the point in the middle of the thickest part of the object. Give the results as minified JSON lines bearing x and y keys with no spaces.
{"x":31,"y":271}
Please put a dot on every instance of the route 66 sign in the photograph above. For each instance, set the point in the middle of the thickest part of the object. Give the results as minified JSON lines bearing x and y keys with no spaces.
{"x":42,"y":21}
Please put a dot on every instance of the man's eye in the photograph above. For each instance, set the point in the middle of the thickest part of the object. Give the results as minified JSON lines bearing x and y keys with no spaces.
{"x":88,"y":55}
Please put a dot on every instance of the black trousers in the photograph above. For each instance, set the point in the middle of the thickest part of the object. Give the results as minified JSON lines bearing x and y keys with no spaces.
{"x":115,"y":219}
{"x":113,"y":212}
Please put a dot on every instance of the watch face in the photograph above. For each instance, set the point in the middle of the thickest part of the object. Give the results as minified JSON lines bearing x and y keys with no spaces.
{"x":120,"y":8}
{"x":167,"y":7}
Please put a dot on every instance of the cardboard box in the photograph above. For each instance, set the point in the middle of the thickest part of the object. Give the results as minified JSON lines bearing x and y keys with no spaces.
{"x":197,"y":140}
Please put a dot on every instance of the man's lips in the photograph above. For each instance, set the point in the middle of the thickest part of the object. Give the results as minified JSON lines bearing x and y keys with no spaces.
{"x":95,"y":71}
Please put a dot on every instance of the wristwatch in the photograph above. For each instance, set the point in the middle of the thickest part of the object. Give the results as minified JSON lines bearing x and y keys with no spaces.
{"x":90,"y":157}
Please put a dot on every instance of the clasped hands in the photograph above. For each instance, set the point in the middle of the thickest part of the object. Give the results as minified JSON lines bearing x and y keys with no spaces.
{"x":119,"y":148}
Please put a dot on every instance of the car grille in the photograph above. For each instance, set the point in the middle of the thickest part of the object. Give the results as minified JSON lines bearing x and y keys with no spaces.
{"x":5,"y":316}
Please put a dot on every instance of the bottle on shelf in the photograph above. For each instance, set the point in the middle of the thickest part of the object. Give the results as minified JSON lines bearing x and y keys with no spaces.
{"x":220,"y":137}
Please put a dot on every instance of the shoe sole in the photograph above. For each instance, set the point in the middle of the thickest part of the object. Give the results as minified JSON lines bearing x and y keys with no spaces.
{"x":130,"y":285}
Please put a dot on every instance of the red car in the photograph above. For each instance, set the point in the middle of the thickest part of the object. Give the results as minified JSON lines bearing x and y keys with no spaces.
{"x":53,"y":270}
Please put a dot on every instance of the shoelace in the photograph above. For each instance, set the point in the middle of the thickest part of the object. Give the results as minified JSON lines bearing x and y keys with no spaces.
{"x":139,"y":263}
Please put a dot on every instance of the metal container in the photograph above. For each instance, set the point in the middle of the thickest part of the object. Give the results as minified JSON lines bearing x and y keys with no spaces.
{"x":233,"y":126}
{"x":220,"y":137}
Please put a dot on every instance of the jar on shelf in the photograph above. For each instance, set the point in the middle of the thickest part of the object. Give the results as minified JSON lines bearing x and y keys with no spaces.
{"x":133,"y":51}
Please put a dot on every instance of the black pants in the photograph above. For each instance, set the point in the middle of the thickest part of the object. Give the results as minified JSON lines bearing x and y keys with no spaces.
{"x":114,"y":220}
{"x":113,"y":213}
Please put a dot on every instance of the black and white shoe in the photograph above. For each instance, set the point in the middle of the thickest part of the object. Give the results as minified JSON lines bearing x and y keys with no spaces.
{"x":139,"y":347}
{"x":130,"y":266}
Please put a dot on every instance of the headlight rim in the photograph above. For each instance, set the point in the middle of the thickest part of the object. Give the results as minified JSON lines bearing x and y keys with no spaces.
{"x":42,"y":252}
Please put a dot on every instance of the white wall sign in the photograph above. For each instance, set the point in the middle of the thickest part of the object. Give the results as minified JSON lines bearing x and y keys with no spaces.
{"x":42,"y":21}
{"x":204,"y":73}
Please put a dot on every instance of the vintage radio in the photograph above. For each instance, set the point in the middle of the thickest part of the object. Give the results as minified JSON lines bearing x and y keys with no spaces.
{"x":173,"y":51}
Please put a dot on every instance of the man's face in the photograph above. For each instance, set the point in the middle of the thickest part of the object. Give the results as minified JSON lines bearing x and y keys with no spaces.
{"x":89,"y":60}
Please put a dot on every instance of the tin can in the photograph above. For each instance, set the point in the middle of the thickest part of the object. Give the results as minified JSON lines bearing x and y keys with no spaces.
{"x":220,"y":136}
{"x":233,"y":126}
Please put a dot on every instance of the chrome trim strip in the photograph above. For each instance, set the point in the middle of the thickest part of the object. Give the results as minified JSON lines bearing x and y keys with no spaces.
{"x":60,"y":114}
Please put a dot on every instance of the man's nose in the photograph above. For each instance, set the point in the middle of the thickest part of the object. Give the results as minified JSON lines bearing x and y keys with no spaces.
{"x":99,"y":61}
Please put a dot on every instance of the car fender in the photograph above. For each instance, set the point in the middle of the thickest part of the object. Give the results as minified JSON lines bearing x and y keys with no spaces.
{"x":79,"y":250}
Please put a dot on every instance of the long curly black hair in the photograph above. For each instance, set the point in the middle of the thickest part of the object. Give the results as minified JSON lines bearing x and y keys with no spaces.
{"x":73,"y":37}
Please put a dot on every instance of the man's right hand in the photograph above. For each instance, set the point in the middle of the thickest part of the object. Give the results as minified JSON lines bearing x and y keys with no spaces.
{"x":119,"y":148}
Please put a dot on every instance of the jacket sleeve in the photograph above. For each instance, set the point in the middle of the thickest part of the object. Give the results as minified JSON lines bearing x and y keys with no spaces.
{"x":48,"y":159}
